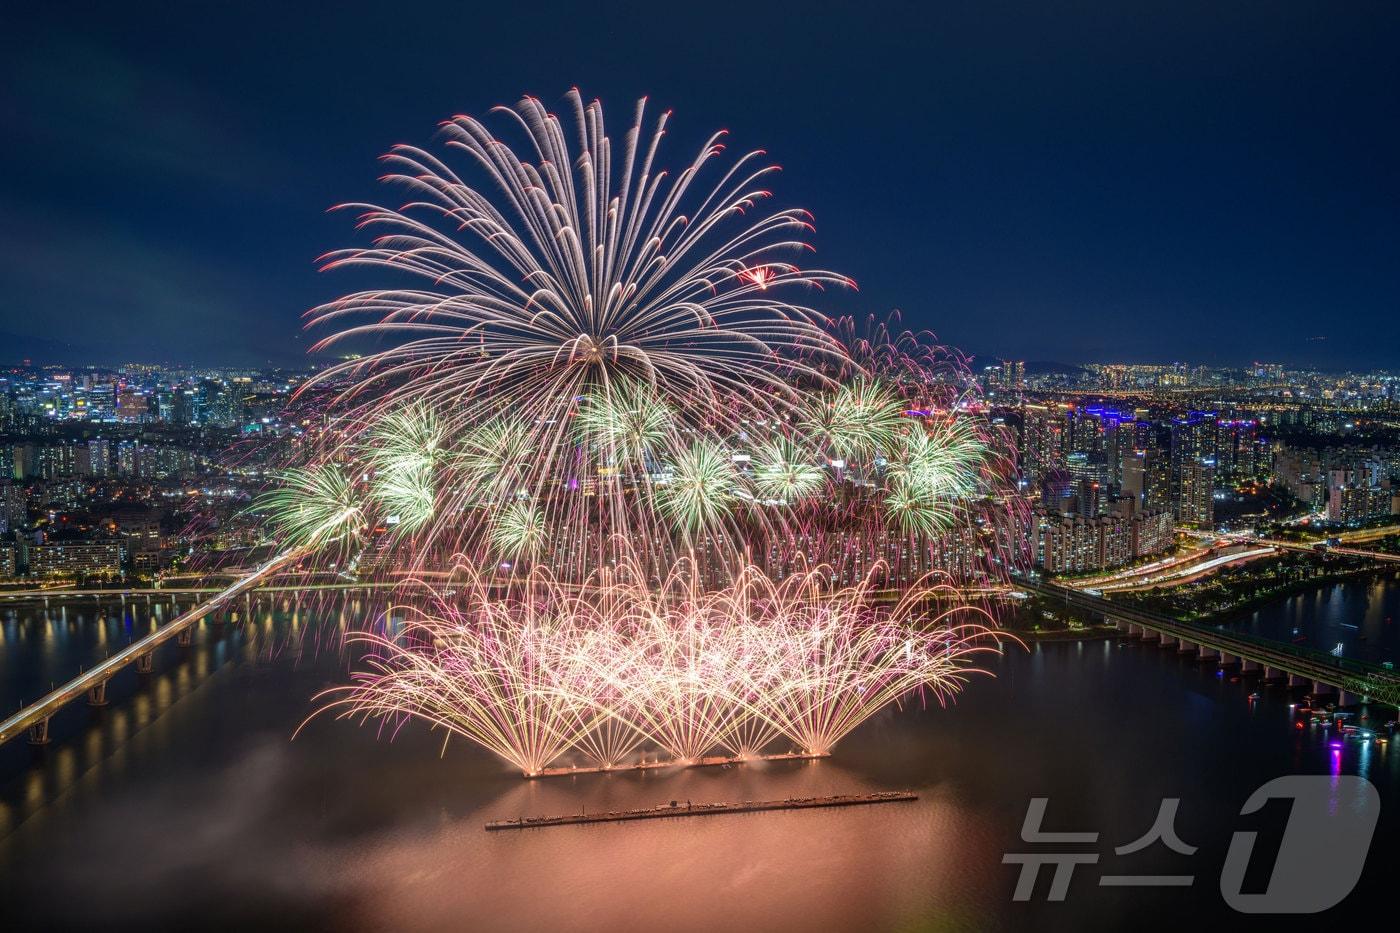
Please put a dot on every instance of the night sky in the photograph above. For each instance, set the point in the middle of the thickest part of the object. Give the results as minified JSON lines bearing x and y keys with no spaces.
{"x":1213,"y":182}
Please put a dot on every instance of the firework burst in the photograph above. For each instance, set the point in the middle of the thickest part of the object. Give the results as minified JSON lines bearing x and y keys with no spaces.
{"x":315,"y":508}
{"x":619,"y":664}
{"x":604,"y":312}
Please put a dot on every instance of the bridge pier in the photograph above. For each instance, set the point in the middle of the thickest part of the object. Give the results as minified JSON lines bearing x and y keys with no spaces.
{"x":97,"y":694}
{"x":145,"y":663}
{"x":39,"y":732}
{"x":1243,"y":654}
{"x":1345,"y":699}
{"x":186,"y":637}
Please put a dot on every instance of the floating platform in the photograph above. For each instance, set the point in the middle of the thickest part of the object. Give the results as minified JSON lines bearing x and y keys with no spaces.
{"x":710,"y":761}
{"x":676,"y":808}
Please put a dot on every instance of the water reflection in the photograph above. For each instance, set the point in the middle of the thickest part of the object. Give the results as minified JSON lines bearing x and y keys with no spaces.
{"x":1361,"y":617}
{"x":190,"y":782}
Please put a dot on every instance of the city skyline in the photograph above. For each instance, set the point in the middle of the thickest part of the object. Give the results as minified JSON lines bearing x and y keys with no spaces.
{"x":954,"y":450}
{"x":1094,"y":183}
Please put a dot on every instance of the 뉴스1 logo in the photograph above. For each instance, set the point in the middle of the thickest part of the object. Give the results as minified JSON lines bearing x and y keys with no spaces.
{"x":1332,"y":814}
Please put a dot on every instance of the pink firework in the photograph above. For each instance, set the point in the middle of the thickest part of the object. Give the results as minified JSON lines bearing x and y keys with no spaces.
{"x":621,"y":665}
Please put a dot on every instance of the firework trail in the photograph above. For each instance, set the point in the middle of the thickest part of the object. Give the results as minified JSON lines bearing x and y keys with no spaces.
{"x":652,"y":496}
{"x":622,"y":664}
{"x":605,"y":311}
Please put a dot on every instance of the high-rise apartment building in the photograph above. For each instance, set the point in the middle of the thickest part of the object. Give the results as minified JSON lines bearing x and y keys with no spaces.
{"x":1013,"y":375}
{"x":1193,"y":440}
{"x":1045,"y":441}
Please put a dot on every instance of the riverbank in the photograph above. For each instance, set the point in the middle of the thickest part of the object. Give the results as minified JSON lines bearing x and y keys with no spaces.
{"x":1235,"y":593}
{"x":1301,"y":587}
{"x":1091,"y":633}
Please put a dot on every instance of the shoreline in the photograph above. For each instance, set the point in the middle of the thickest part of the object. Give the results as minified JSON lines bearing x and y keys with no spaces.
{"x":1238,"y":612}
{"x":1096,"y":633}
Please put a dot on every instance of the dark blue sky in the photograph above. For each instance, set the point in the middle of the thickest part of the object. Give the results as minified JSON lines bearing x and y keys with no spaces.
{"x":1054,"y":181}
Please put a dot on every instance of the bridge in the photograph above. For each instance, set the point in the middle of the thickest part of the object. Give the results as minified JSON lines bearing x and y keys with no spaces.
{"x":1321,"y":671}
{"x":69,"y":593}
{"x":34,"y":718}
{"x":1332,"y":549}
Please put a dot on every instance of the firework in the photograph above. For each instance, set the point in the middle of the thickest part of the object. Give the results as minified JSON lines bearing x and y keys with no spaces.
{"x":700,"y":489}
{"x":518,"y":531}
{"x":595,"y":347}
{"x":602,"y":395}
{"x":602,"y":312}
{"x":785,"y":471}
{"x":858,"y":418}
{"x":627,"y":424}
{"x":314,"y":508}
{"x":618,"y":664}
{"x":405,"y":451}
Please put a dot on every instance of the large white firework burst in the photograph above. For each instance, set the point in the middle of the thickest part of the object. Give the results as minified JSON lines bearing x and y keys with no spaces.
{"x":577,"y":304}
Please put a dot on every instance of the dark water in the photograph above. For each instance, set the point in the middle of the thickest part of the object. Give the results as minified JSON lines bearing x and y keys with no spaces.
{"x":1362,"y":617}
{"x":186,"y":804}
{"x":43,"y":644}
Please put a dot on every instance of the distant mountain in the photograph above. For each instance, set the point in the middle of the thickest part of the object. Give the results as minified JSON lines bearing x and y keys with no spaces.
{"x":1049,"y":367}
{"x":15,"y":348}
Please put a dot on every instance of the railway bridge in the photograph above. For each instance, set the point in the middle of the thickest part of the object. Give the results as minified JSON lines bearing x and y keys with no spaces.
{"x":1351,"y":679}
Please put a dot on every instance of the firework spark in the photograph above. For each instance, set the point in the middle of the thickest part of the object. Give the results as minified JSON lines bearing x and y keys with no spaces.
{"x":606,"y":668}
{"x":574,"y":298}
{"x":315,"y":507}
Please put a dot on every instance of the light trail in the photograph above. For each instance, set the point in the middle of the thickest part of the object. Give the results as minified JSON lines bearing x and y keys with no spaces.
{"x":1180,"y":574}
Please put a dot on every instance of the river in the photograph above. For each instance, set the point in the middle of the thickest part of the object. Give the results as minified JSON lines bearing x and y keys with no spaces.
{"x":1363,"y":617}
{"x":187,"y":802}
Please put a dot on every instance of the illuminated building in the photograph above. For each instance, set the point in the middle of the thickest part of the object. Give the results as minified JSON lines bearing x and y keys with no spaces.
{"x":1080,"y":544}
{"x":1193,"y":440}
{"x":75,"y":559}
{"x":1013,"y":375}
{"x":1357,"y":496}
{"x":132,"y":405}
{"x":1089,"y":472}
{"x":1045,"y":441}
{"x":14,"y":508}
